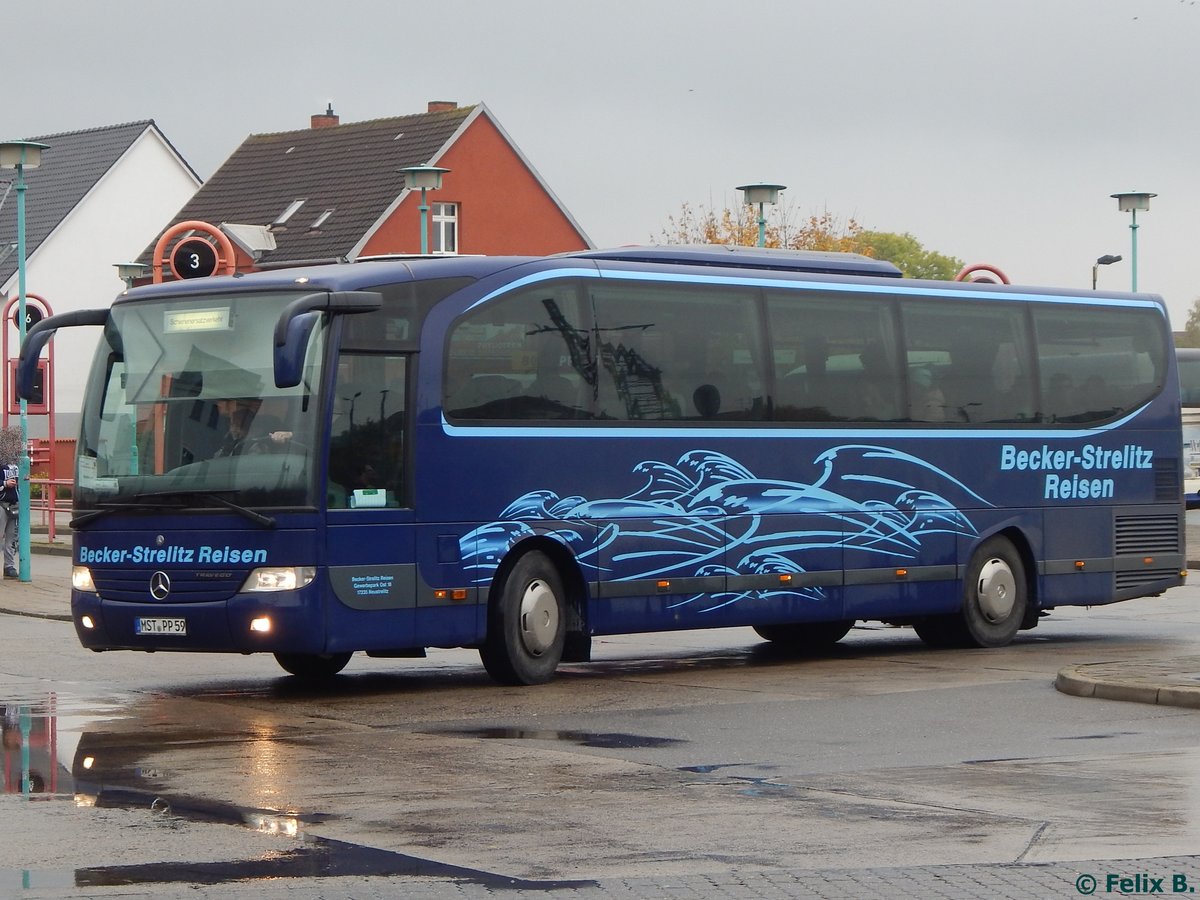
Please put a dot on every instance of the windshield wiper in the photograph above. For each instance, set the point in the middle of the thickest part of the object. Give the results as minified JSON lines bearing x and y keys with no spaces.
{"x":244,"y":511}
{"x":138,"y":504}
{"x":103,"y":509}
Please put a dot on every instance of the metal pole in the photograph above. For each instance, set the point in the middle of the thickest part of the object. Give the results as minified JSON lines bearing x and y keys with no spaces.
{"x":424,"y":225}
{"x":1133,"y":262}
{"x":23,"y":458}
{"x":762,"y":227}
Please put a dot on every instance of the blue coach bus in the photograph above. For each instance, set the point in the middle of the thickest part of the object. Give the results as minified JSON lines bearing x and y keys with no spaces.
{"x":517,"y":454}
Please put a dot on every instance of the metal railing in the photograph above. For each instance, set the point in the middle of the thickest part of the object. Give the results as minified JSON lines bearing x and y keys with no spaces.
{"x":47,"y":511}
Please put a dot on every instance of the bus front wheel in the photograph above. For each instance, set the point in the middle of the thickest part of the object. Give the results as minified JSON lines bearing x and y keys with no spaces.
{"x":313,"y":665}
{"x":995,"y":598}
{"x":805,"y":637}
{"x":526,"y":623}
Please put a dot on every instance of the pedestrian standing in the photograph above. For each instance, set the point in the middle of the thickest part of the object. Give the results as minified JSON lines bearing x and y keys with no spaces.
{"x":8,"y":518}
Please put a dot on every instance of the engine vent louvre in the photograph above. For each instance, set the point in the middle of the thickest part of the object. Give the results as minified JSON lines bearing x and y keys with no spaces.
{"x":1147,"y":535}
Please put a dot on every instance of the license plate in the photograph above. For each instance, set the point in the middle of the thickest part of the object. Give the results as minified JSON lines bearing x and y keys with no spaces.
{"x":160,"y":626}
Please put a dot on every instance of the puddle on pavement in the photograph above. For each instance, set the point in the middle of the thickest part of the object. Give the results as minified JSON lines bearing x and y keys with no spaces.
{"x":713,"y":767}
{"x":52,"y":750}
{"x":32,"y":757}
{"x":318,"y":858}
{"x":755,"y":785}
{"x":600,"y":740}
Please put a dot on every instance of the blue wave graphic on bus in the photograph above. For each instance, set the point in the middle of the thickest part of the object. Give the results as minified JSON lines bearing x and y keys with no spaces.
{"x":708,"y":515}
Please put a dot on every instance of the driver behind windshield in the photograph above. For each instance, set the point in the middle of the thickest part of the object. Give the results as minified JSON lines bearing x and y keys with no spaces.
{"x":238,"y":438}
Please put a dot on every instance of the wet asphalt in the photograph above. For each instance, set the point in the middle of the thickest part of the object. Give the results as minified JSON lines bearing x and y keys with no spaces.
{"x":1165,"y":682}
{"x":326,"y":869}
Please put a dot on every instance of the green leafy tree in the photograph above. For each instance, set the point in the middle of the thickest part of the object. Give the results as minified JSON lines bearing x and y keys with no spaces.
{"x":1191,"y":331}
{"x":824,"y":231}
{"x":909,"y":256}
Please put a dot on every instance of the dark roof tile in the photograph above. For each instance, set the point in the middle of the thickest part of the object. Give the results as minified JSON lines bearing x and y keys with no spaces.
{"x":71,"y":166}
{"x":351,"y":169}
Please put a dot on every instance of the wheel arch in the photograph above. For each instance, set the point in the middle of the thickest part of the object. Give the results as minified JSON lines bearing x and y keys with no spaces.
{"x":568,"y":569}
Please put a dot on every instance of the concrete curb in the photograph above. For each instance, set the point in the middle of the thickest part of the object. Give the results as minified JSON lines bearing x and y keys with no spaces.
{"x":1172,"y":682}
{"x":33,"y":614}
{"x":61,"y":548}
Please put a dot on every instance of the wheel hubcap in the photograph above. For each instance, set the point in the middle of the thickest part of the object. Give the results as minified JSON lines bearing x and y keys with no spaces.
{"x":996,"y":590}
{"x":539,"y":617}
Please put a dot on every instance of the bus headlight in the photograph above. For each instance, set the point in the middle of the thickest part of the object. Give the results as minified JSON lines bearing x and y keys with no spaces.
{"x":279,"y":578}
{"x":81,"y":579}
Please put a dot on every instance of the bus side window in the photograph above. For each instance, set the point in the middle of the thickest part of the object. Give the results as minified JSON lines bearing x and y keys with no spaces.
{"x":1097,"y":364}
{"x":835,"y":359}
{"x":679,"y":353}
{"x":524,"y":356}
{"x":980,"y":358}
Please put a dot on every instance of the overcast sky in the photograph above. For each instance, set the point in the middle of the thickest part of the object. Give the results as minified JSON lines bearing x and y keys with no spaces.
{"x":992,"y":130}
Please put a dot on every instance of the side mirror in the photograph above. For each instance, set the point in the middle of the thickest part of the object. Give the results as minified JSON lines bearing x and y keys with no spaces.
{"x":295,"y":324}
{"x":37,"y":337}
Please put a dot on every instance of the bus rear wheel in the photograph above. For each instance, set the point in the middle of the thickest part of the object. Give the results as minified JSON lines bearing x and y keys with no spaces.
{"x":313,"y":665}
{"x":805,"y":637}
{"x":995,"y":600}
{"x":526,"y":623}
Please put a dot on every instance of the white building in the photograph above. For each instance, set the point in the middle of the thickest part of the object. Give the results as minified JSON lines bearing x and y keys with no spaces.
{"x":97,"y":199}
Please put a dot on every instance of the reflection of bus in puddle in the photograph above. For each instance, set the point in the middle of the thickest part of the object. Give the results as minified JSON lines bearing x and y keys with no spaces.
{"x":47,"y":753}
{"x":1188,"y":359}
{"x":31,"y":749}
{"x":110,"y":770}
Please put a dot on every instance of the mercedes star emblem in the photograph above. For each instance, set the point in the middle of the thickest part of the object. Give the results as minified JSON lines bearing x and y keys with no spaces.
{"x":160,"y":585}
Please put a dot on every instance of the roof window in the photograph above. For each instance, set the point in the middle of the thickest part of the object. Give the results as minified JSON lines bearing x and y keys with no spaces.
{"x":280,"y":223}
{"x":320,"y":220}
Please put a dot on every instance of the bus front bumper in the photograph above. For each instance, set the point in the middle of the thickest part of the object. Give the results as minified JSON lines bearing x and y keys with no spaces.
{"x":282,"y":622}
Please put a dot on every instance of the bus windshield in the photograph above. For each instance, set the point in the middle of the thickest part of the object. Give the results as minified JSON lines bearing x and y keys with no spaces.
{"x":182,"y":401}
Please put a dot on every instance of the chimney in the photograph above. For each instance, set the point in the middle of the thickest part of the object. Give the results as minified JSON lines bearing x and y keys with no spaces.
{"x":442,"y":105}
{"x":326,"y":119}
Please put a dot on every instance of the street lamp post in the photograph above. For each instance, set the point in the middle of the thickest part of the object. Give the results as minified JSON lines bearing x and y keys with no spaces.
{"x":22,"y":155}
{"x":427,"y":178}
{"x":1131,"y":202}
{"x":759,"y":195}
{"x":1106,"y":260}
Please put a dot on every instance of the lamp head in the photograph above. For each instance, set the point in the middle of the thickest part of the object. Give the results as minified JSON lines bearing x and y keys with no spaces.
{"x":21,"y":154}
{"x":1107,"y":260}
{"x":1133,"y":201}
{"x":423,"y":177}
{"x":754,"y":194}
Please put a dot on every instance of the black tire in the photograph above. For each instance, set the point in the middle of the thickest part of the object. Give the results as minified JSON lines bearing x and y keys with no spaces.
{"x":940,"y":632}
{"x":313,"y":665}
{"x":526,"y":623}
{"x":994,"y":604}
{"x":805,"y":637}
